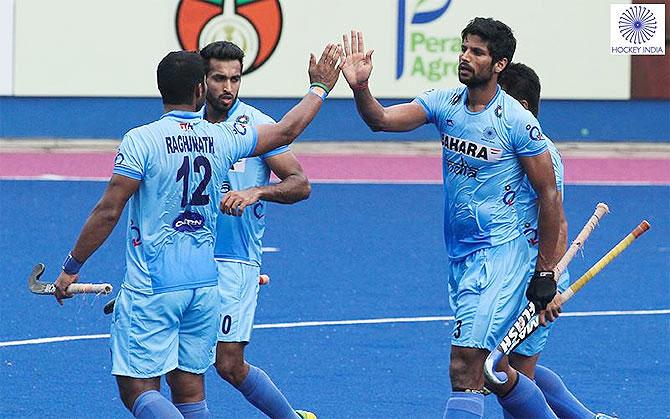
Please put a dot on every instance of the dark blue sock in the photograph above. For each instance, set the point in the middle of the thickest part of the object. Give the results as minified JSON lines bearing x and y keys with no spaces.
{"x":260,"y":391}
{"x":526,"y":401}
{"x":197,"y":410}
{"x":562,"y":402}
{"x":462,"y":405}
{"x":152,"y":405}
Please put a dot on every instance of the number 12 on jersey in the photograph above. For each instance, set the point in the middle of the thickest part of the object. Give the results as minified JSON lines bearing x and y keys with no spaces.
{"x":184,"y":172}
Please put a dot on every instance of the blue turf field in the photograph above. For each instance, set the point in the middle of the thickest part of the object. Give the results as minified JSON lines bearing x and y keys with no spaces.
{"x":349,"y":252}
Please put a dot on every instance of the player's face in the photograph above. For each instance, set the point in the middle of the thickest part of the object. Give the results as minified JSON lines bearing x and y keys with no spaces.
{"x":475,"y":63}
{"x":223,"y":83}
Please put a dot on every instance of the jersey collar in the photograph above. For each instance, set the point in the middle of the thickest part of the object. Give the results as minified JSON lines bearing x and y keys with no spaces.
{"x":488,"y":105}
{"x":183,"y":115}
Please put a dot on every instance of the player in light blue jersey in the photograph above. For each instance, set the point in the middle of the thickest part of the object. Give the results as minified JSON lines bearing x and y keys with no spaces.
{"x":166,"y":314}
{"x":489,"y":143}
{"x":238,"y":248}
{"x":522,"y":83}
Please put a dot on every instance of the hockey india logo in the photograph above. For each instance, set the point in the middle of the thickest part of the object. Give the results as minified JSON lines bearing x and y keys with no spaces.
{"x":253,"y":25}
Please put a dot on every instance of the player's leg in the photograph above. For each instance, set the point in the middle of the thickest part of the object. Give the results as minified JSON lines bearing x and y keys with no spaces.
{"x":197,"y":339}
{"x":188,"y":394}
{"x":525,"y":358}
{"x":485,"y":290}
{"x":144,"y":347}
{"x":519,"y":396}
{"x":238,"y":290}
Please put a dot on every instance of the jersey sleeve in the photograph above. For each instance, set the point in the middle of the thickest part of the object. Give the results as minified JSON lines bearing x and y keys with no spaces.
{"x":430,"y":101}
{"x":558,"y":168}
{"x":262,"y":118}
{"x":131,"y":158}
{"x":527,"y":136}
{"x":239,"y":141}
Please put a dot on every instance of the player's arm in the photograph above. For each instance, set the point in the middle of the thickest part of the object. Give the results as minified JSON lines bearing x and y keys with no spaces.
{"x":293,"y":186}
{"x":97,"y":228}
{"x":322,"y":75}
{"x":552,"y":227}
{"x":357,"y":67}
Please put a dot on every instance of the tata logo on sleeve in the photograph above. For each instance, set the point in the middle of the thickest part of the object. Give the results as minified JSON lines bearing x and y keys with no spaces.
{"x":253,"y":25}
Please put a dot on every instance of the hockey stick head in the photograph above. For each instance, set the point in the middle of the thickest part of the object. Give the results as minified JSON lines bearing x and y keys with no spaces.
{"x":35,"y":285}
{"x":109,"y":307}
{"x":495,"y":377}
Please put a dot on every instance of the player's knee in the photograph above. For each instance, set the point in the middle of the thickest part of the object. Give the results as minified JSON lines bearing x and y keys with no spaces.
{"x":130,"y":389}
{"x":231,"y":370}
{"x":465,"y":373}
{"x":186,"y":387}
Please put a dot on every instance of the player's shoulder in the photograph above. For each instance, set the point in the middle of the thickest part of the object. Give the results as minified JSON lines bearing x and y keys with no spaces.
{"x":144,"y":132}
{"x":451,"y":96}
{"x":247,"y":114}
{"x":512,"y":114}
{"x":553,"y":150}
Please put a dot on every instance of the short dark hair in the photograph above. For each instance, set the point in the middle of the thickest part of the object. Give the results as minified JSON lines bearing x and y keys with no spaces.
{"x":178,"y":74}
{"x":522,"y":83}
{"x":497,"y":35}
{"x":222,"y":50}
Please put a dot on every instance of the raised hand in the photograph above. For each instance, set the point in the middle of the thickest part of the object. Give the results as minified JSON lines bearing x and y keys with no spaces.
{"x":356,"y":63}
{"x":325,"y":71}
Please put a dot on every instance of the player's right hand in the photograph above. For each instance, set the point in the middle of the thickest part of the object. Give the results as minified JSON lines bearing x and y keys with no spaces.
{"x":541,"y":289}
{"x":326,"y":70}
{"x":356,"y":62}
{"x":64,"y":280}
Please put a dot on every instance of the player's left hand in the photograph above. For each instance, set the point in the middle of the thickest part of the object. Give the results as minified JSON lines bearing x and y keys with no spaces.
{"x":552,"y":311}
{"x":234,"y":202}
{"x":62,"y":282}
{"x":326,"y":70}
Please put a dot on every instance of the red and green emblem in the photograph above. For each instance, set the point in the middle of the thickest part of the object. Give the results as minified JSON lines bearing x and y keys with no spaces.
{"x":253,"y":25}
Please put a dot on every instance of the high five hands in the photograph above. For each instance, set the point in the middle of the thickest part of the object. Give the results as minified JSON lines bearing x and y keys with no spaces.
{"x":356,"y":63}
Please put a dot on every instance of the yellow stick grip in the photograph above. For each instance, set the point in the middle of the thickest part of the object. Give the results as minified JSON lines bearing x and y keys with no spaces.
{"x":616,"y":250}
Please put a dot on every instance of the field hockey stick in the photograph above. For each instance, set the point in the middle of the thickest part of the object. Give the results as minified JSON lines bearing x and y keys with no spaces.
{"x":48,"y":288}
{"x":533,"y":323}
{"x":616,"y":250}
{"x":263,"y":279}
{"x":527,"y":322}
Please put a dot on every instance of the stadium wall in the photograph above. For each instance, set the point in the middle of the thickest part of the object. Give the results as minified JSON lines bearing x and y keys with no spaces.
{"x":86,"y":68}
{"x":105,"y":118}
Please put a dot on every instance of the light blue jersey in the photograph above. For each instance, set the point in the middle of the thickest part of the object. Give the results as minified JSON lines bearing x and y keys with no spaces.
{"x":181,"y":161}
{"x":240,"y":238}
{"x":480,"y":165}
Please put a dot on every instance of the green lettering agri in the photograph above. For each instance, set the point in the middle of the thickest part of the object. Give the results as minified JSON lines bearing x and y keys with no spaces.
{"x":428,"y":62}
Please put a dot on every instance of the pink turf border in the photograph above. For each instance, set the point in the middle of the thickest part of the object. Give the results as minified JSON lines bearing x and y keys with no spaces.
{"x":344,"y":168}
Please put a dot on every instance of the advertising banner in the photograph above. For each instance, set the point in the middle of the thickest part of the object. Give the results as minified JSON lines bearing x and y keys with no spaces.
{"x":6,"y":46}
{"x":102,"y":48}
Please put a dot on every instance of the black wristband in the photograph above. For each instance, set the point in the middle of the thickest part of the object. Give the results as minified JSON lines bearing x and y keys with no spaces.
{"x":541,"y":289}
{"x":71,"y":265}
